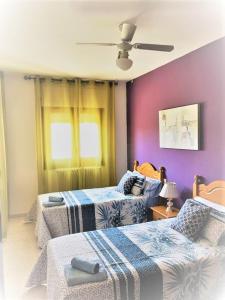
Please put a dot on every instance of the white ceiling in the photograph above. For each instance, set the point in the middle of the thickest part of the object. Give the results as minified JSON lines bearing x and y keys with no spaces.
{"x":40,"y":36}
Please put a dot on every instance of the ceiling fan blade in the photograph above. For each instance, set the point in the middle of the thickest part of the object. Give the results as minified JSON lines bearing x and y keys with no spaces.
{"x":97,"y":44}
{"x":127,"y":31}
{"x":154,"y":47}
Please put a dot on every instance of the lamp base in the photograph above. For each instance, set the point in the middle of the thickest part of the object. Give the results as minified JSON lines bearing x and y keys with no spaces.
{"x":169,"y":206}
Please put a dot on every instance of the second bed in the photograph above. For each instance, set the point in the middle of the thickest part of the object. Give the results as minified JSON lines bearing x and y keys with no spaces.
{"x":99,"y":208}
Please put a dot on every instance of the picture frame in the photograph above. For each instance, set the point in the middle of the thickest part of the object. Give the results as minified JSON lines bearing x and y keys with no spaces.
{"x":179,"y":127}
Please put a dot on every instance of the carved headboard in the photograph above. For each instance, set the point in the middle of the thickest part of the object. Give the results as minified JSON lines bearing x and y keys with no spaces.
{"x":214,"y":191}
{"x":149,"y":170}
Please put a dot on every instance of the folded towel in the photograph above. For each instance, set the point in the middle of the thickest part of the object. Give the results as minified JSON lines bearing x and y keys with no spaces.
{"x":86,"y":266}
{"x":75,"y":276}
{"x":55,"y":199}
{"x":46,"y":203}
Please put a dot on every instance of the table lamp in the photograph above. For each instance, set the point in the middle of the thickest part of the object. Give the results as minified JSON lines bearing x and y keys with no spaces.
{"x":169,"y":191}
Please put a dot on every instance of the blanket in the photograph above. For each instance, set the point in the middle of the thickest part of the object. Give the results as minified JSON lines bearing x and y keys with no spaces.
{"x":143,"y":261}
{"x":87,"y":210}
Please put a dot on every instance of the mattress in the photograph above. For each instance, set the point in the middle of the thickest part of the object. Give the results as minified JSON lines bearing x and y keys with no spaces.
{"x":143,"y":261}
{"x":87,"y":210}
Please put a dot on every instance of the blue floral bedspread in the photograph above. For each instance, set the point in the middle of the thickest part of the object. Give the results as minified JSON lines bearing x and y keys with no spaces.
{"x":99,"y":208}
{"x":148,"y":261}
{"x":153,"y":261}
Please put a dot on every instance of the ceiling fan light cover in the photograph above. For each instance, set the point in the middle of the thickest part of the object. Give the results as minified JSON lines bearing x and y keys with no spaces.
{"x":124,"y":63}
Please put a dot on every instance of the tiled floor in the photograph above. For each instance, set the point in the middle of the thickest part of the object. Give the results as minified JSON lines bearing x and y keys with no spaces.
{"x":19,"y":255}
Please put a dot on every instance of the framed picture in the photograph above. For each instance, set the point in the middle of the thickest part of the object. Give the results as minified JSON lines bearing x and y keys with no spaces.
{"x":179,"y":127}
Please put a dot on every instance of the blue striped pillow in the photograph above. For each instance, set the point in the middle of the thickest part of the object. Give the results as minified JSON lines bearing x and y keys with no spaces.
{"x":129,"y":184}
{"x":137,"y":188}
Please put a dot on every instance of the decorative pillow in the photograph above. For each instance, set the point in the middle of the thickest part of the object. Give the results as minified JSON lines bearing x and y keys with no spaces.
{"x":151,"y":184}
{"x":191,"y":219}
{"x":214,"y":230}
{"x":152,"y":188}
{"x":129,"y":184}
{"x":151,"y":192}
{"x":120,"y":186}
{"x":138,"y":186}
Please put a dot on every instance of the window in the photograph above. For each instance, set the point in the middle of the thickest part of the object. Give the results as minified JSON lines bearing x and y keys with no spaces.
{"x":72,"y":138}
{"x":61,"y":141}
{"x":89,"y":140}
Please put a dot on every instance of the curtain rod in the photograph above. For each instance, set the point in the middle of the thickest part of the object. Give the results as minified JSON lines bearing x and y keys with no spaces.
{"x":32,"y":77}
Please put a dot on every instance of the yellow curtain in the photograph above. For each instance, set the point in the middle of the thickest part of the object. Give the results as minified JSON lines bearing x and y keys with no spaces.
{"x":75,"y":134}
{"x":3,"y":169}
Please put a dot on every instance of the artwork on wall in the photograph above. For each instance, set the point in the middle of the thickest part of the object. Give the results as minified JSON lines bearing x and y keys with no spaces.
{"x":179,"y":127}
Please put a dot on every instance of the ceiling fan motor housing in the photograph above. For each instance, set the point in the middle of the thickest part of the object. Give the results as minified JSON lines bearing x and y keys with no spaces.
{"x":125,"y":46}
{"x":127,"y":31}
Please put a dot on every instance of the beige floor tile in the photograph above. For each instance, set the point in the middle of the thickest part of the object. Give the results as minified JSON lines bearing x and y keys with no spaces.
{"x":20,"y":252}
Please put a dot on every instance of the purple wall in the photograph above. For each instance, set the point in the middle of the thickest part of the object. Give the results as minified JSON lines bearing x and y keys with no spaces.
{"x":198,"y":77}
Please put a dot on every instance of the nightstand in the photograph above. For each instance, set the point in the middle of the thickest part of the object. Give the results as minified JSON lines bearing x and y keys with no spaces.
{"x":159,"y":213}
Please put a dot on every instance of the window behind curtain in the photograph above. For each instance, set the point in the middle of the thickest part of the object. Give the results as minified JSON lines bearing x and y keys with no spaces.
{"x":90,"y":141}
{"x":75,"y":134}
{"x":72,"y":138}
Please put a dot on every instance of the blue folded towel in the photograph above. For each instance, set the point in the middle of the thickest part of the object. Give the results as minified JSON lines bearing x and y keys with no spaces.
{"x":55,"y":199}
{"x":47,"y":203}
{"x":75,"y":276}
{"x":86,"y":266}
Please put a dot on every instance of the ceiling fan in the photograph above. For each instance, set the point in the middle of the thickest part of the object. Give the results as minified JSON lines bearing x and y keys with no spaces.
{"x":127,"y":32}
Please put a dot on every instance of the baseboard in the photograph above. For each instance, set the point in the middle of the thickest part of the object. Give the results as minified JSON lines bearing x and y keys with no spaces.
{"x":17,"y":215}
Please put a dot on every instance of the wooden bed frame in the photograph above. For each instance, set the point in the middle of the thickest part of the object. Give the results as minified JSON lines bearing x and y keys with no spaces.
{"x":214,"y":191}
{"x":147,"y":169}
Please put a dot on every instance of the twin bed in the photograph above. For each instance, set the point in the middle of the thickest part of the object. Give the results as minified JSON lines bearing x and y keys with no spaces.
{"x":142,"y":261}
{"x":92,"y":209}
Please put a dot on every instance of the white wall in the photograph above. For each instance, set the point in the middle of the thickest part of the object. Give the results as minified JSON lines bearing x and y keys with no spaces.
{"x":20,"y":140}
{"x":20,"y":143}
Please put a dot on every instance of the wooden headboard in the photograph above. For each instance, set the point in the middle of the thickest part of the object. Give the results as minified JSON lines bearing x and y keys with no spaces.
{"x":149,"y":170}
{"x":214,"y":191}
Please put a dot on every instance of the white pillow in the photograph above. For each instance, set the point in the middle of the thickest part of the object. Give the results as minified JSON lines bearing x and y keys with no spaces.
{"x":213,"y":231}
{"x":204,"y":242}
{"x":210,"y":204}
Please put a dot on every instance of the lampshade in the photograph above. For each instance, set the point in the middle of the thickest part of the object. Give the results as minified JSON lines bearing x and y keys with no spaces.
{"x":169,"y":190}
{"x":124,"y":63}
